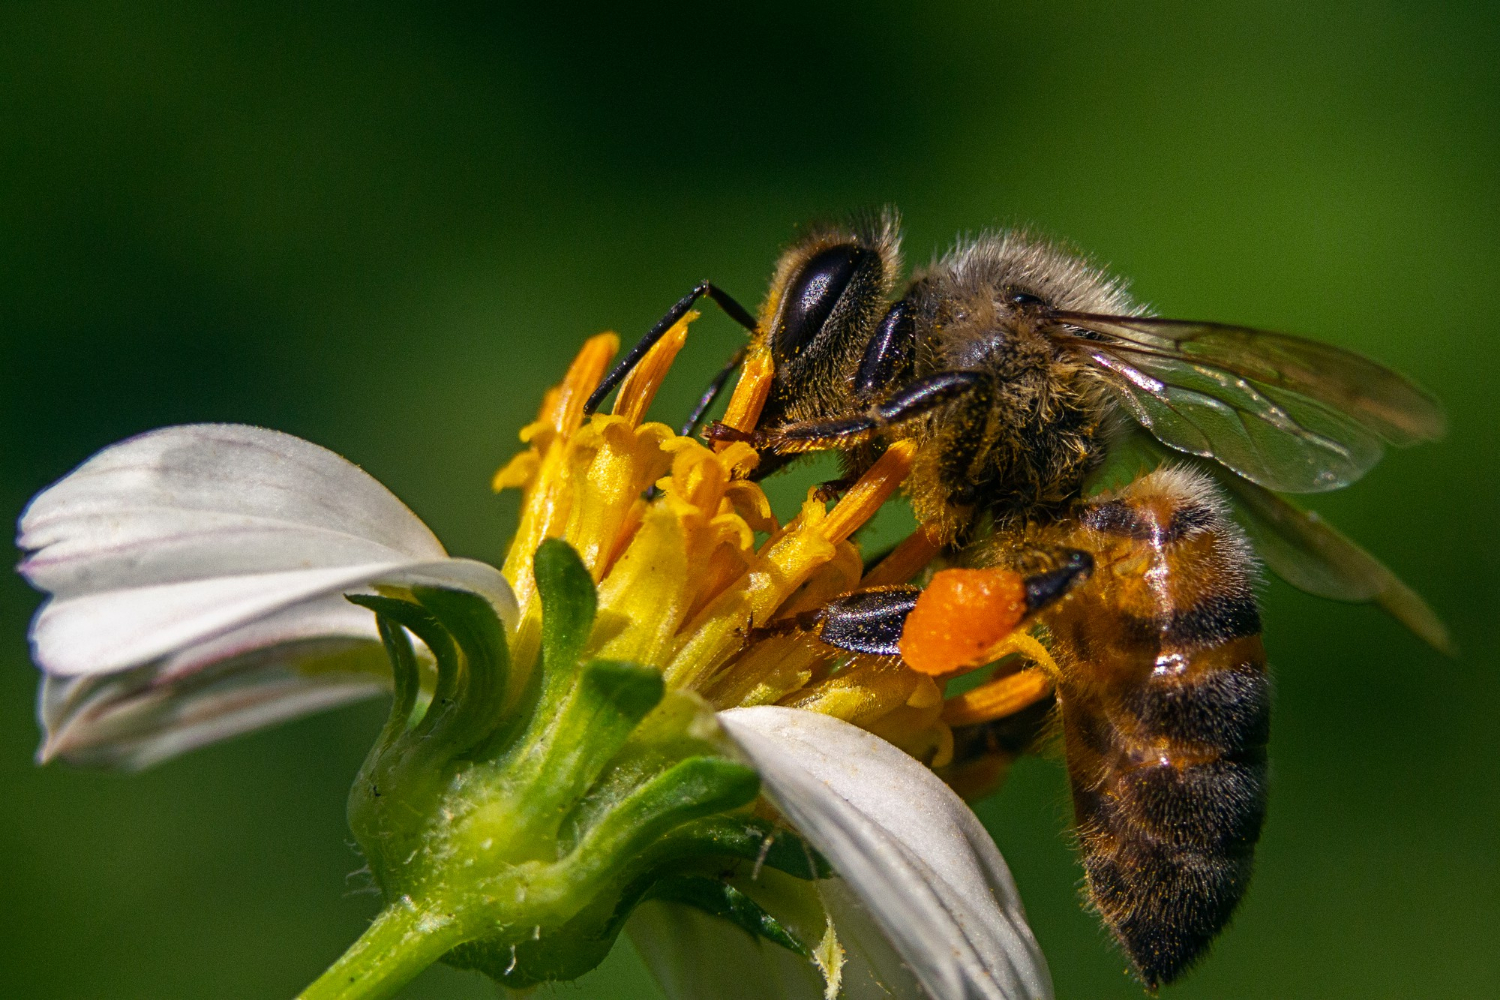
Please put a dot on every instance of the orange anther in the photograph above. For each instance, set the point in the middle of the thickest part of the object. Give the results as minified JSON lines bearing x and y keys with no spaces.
{"x":998,"y":697}
{"x":959,"y":619}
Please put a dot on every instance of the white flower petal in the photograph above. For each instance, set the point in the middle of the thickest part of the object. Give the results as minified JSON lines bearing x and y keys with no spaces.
{"x":310,"y":657}
{"x":873,"y":970}
{"x":126,"y":627}
{"x":171,"y":486}
{"x":908,"y":847}
{"x":197,"y":576}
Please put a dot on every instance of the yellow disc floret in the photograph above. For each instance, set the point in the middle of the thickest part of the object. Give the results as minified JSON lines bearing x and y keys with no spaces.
{"x":668,"y":527}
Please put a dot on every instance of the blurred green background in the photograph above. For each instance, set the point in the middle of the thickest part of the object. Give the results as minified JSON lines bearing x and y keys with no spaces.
{"x":386,"y":228}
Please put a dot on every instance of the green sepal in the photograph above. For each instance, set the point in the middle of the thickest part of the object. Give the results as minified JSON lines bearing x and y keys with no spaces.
{"x":689,"y":790}
{"x":631,"y":849}
{"x":406,"y":672}
{"x":479,"y":694}
{"x":702,"y":848}
{"x":720,"y":899}
{"x":569,"y":603}
{"x":467,"y":640}
{"x":395,"y":616}
{"x":567,"y":753}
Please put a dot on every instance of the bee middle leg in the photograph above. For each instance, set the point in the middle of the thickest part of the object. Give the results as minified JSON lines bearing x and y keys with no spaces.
{"x":843,"y":433}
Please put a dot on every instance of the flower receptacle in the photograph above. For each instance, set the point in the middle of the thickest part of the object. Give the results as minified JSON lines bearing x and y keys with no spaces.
{"x":515,"y":832}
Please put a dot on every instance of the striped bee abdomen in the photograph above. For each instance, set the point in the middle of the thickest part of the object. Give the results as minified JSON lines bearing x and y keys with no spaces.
{"x":1166,"y":710}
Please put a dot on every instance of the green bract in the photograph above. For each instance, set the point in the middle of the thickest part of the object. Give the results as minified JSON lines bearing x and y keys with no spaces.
{"x":514,"y":833}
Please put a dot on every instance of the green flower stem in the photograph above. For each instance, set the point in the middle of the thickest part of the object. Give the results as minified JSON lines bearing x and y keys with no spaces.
{"x":402,"y":940}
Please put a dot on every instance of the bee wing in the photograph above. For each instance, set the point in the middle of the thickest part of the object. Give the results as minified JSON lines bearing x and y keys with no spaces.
{"x":1297,"y":545}
{"x":1289,"y":414}
{"x":1312,"y":555}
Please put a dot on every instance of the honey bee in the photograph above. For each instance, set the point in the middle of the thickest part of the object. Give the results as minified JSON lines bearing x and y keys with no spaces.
{"x":1039,"y":396}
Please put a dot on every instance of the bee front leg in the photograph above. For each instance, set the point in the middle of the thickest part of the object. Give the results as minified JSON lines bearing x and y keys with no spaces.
{"x":888,"y":356}
{"x":722,"y":299}
{"x":690,"y":426}
{"x":913,"y":400}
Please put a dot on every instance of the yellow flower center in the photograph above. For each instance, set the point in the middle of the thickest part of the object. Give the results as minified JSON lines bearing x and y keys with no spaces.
{"x":684,"y":586}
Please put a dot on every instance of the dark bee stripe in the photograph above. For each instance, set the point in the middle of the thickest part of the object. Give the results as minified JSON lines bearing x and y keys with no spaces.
{"x":1214,"y":619}
{"x":1227,"y":709}
{"x":1191,"y":519}
{"x":1116,"y":517}
{"x":1211,"y":808}
{"x":1192,"y":897}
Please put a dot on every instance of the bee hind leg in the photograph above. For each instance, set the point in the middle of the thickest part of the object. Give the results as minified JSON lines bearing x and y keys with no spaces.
{"x":868,"y":621}
{"x":970,"y":617}
{"x":875,"y":620}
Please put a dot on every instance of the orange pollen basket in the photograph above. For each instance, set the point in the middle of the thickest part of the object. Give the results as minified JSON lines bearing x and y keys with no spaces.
{"x":960,"y":617}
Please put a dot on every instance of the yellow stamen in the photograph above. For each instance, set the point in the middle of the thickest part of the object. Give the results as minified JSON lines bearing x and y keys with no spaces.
{"x":864,"y":691}
{"x":543,"y":477}
{"x":999,"y":697}
{"x":874,"y":488}
{"x":682,"y":584}
{"x":750,"y":393}
{"x":905,"y":561}
{"x":683,"y":540}
{"x":781,"y":664}
{"x":639,"y":387}
{"x":563,"y":411}
{"x":619,"y":462}
{"x":783,"y":565}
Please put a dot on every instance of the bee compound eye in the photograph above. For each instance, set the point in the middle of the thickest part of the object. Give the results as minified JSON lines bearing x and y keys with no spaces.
{"x":813,"y":293}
